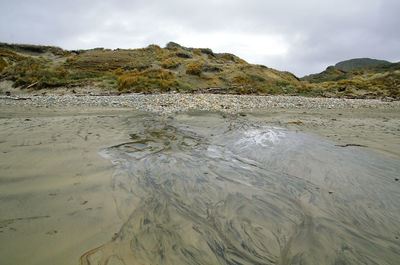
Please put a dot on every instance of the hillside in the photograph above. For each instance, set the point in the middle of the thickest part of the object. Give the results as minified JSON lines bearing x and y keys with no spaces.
{"x":376,"y":80}
{"x":187,"y":70}
{"x":148,"y":70}
{"x":353,"y":64}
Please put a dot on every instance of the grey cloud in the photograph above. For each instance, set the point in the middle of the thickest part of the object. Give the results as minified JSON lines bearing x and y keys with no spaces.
{"x":317,"y":33}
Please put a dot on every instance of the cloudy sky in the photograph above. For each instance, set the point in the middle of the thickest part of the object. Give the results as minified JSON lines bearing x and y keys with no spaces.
{"x":302,"y":37}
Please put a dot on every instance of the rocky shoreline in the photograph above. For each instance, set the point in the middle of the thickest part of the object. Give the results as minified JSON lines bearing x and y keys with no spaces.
{"x":171,"y":103}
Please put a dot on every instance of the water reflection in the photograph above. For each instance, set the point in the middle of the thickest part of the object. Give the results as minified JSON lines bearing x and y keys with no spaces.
{"x":207,"y":190}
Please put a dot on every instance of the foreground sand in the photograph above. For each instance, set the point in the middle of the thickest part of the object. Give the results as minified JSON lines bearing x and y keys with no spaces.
{"x":55,"y":187}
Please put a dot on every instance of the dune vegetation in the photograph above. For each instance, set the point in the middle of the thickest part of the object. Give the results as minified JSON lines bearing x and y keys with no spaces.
{"x":362,"y":80}
{"x":176,"y":68}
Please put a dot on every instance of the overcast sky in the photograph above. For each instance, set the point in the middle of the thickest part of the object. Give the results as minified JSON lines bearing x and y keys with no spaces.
{"x":302,"y":37}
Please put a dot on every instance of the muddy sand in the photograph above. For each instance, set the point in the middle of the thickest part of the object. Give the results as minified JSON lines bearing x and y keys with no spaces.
{"x":83,"y":185}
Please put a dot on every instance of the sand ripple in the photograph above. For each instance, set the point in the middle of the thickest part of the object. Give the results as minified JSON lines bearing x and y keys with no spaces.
{"x":204,"y":190}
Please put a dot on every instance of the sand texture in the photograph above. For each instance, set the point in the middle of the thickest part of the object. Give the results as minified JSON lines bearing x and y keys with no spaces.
{"x":119,"y":186}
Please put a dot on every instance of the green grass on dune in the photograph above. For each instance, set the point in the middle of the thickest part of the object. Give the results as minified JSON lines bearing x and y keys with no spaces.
{"x":176,"y":68}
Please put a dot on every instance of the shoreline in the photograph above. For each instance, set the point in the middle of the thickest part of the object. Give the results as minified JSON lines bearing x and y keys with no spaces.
{"x":370,"y":124}
{"x":178,"y":102}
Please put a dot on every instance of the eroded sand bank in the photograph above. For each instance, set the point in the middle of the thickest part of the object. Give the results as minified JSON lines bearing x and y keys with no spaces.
{"x":59,"y":200}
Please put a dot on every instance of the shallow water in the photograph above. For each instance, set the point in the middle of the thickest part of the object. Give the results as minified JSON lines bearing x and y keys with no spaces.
{"x":203,"y":189}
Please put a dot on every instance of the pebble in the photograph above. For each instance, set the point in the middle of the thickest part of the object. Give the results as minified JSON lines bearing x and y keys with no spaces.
{"x":171,"y":103}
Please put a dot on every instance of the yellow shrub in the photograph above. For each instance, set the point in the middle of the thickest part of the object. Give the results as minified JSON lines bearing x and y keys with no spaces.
{"x":193,"y":69}
{"x":197,"y":52}
{"x":62,"y":73}
{"x":304,"y":88}
{"x":242,"y":80}
{"x":118,"y":71}
{"x":71,"y":59}
{"x":148,"y":81}
{"x":170,"y":63}
{"x":227,"y":57}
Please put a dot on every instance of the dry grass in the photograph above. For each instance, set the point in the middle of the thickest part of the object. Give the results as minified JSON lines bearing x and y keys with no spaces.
{"x":3,"y":64}
{"x":197,"y":52}
{"x":194,"y":69}
{"x":154,"y":69}
{"x":38,"y":73}
{"x":29,"y":49}
{"x":170,"y":63}
{"x":11,"y":55}
{"x":242,"y":80}
{"x":109,"y":60}
{"x":149,"y":81}
{"x":148,"y":69}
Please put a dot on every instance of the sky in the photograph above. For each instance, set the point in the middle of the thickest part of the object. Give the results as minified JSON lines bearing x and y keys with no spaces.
{"x":300,"y":36}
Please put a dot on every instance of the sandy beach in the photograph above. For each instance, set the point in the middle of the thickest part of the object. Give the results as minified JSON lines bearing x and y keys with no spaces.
{"x":199,"y":133}
{"x":56,"y":191}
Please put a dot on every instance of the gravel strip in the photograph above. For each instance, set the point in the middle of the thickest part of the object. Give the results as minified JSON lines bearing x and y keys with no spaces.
{"x":170,"y":103}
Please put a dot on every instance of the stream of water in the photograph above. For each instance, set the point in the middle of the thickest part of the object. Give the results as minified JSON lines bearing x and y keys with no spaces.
{"x":204,"y":190}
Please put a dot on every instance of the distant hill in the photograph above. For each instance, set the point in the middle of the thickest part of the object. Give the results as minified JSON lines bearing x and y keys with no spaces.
{"x":149,"y":70}
{"x":358,"y":78}
{"x":331,"y":73}
{"x":350,"y":65}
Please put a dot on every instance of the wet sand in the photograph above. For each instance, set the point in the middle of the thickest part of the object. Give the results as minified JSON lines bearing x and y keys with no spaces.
{"x":374,"y":130}
{"x":60,"y":203}
{"x":54,"y":184}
